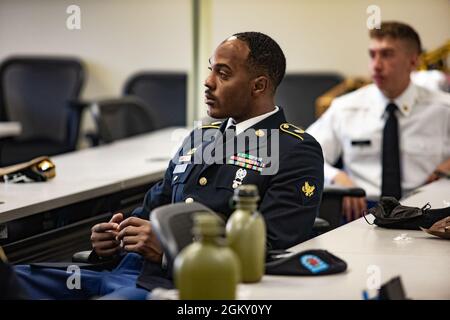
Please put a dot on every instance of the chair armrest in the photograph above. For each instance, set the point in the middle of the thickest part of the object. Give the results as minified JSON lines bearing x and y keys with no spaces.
{"x":321,"y":225}
{"x":344,"y":192}
{"x":331,"y":206}
{"x":90,"y":256}
{"x":78,"y":105}
{"x":82,"y":256}
{"x":91,"y":260}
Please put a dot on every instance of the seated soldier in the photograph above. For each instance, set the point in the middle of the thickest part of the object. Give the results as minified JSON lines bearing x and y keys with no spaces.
{"x":245,"y":72}
{"x":393,"y":135}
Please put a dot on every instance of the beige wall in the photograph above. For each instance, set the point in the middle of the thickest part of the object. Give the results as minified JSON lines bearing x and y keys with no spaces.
{"x":117,"y":37}
{"x":120,"y":37}
{"x":325,"y":34}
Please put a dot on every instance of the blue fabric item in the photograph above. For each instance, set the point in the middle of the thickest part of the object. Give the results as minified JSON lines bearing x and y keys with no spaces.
{"x":371,"y":204}
{"x":127,"y":293}
{"x":49,"y":283}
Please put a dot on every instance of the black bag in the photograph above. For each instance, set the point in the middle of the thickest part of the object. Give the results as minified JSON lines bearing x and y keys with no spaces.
{"x":389,"y":213}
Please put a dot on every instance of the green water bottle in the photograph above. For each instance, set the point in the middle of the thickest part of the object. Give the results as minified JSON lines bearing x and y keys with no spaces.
{"x":246,"y":233}
{"x":207,"y":269}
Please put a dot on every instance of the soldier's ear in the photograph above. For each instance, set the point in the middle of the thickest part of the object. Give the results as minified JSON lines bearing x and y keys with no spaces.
{"x":414,"y":61}
{"x":260,"y":85}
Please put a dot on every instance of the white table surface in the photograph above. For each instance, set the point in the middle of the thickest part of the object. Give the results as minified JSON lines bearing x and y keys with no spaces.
{"x":93,"y":172}
{"x":420,"y":259}
{"x":436,"y":193}
{"x":10,"y":129}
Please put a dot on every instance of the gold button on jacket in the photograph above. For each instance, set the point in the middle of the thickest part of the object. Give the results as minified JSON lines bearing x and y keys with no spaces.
{"x":203,"y":181}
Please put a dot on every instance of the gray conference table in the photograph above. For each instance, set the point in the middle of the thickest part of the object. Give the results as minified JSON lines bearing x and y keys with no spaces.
{"x":420,"y":259}
{"x":93,"y":172}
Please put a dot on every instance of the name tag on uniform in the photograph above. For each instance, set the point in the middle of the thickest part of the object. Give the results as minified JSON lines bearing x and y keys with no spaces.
{"x":361,"y":143}
{"x":180,"y":168}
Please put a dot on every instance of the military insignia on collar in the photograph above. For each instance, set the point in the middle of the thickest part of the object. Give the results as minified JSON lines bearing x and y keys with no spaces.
{"x":308,"y":190}
{"x":214,"y":125}
{"x":240,"y":175}
{"x":313,"y":263}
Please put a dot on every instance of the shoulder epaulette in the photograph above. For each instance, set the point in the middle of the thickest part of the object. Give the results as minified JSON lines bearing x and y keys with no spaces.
{"x":292,"y":130}
{"x":213,"y":125}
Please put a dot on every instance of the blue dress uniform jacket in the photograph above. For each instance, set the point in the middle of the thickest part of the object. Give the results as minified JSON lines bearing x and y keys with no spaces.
{"x":290,"y":198}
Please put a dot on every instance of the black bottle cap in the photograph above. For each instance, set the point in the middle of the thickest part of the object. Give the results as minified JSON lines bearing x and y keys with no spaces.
{"x":247,"y":191}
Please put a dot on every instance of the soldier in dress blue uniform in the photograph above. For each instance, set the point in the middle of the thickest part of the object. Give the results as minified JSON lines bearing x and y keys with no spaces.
{"x":284,"y":162}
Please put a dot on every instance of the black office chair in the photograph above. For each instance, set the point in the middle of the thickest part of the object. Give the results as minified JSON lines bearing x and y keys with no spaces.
{"x":298,"y":92}
{"x":41,"y":93}
{"x":173,"y":225}
{"x":121,"y":118}
{"x":163,"y":92}
{"x":331,"y":206}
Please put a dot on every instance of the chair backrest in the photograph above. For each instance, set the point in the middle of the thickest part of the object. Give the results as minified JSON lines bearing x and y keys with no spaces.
{"x":173,"y":225}
{"x":36,"y":91}
{"x":298,"y":92}
{"x":121,"y":118}
{"x":164,"y":92}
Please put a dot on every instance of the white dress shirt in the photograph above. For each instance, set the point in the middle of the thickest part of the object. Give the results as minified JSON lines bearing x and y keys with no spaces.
{"x":353,"y":126}
{"x":244,"y":125}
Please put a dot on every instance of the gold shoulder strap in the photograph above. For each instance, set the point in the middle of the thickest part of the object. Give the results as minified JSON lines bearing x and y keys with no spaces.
{"x":292,"y":130}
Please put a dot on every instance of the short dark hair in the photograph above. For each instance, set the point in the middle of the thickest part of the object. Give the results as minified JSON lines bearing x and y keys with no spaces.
{"x":398,"y":30}
{"x":265,"y":55}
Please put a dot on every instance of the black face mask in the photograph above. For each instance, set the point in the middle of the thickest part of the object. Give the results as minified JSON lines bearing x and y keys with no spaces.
{"x":389,"y":213}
